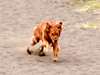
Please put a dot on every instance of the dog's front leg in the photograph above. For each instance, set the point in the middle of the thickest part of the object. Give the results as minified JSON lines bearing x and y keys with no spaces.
{"x":43,"y":48}
{"x":55,"y":51}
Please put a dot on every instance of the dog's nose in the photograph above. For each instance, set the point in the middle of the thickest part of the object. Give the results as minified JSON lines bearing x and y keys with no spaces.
{"x":55,"y":38}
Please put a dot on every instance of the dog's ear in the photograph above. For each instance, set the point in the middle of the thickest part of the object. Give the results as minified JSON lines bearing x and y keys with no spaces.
{"x":48,"y":26}
{"x":60,"y":25}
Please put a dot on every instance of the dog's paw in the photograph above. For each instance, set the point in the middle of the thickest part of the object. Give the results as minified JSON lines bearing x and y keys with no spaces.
{"x":42,"y":54}
{"x":28,"y":51}
{"x":55,"y":59}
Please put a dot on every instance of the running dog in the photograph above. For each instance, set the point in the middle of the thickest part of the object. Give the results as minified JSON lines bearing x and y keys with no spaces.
{"x":48,"y":33}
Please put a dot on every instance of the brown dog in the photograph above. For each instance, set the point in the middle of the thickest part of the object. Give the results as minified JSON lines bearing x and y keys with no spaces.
{"x":48,"y":32}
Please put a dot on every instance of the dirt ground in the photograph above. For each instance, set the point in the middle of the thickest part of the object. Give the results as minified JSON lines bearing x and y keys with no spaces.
{"x":80,"y":49}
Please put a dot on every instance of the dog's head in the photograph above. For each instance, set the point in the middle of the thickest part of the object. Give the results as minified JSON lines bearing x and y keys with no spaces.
{"x":54,"y":30}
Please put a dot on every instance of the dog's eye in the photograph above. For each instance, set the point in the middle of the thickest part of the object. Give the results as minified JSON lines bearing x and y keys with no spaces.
{"x":59,"y":27}
{"x":53,"y":34}
{"x":57,"y":34}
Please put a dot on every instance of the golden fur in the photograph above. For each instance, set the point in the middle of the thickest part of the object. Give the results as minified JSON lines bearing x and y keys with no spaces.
{"x":48,"y":32}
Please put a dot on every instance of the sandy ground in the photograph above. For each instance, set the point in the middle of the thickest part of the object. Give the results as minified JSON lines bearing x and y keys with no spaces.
{"x":80,"y":49}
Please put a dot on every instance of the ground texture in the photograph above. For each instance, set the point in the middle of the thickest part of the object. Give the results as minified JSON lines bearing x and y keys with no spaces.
{"x":80,"y":48}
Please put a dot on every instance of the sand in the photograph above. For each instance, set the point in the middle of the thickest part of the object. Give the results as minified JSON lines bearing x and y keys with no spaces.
{"x":80,"y":48}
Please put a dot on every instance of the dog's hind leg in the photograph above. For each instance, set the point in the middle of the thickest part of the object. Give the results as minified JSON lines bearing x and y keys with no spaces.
{"x":34,"y":41}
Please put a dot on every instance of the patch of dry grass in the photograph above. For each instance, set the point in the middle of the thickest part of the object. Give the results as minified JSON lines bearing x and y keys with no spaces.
{"x":92,"y":25}
{"x":88,"y":6}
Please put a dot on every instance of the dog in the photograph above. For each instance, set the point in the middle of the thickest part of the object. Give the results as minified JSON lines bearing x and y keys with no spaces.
{"x":48,"y":33}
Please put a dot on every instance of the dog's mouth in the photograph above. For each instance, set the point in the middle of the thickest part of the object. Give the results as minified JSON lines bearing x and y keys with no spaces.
{"x":54,"y":40}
